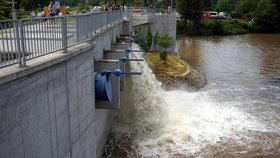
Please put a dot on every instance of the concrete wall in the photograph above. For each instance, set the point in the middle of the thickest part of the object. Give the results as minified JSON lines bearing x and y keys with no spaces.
{"x":47,"y":110}
{"x":161,"y":23}
{"x":105,"y":117}
{"x":164,"y":23}
{"x":50,"y":113}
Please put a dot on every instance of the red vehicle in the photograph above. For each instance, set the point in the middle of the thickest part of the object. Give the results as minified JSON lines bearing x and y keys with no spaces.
{"x":136,"y":9}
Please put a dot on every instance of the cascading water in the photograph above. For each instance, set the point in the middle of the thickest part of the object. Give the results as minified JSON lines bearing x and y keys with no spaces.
{"x":159,"y":123}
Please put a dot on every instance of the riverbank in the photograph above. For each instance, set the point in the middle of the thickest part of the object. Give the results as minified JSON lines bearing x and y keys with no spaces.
{"x":173,"y":72}
{"x":216,"y":27}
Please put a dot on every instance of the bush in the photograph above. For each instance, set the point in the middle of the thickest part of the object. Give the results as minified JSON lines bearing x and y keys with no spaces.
{"x":163,"y":55}
{"x":156,"y":39}
{"x":149,"y":39}
{"x":218,"y":27}
{"x":166,"y":41}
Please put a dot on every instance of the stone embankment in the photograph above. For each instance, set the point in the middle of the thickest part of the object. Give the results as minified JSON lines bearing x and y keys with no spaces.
{"x":191,"y":78}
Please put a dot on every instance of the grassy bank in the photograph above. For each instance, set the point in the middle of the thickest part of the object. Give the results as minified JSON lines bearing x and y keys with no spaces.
{"x":172,"y":66}
{"x":215,"y":27}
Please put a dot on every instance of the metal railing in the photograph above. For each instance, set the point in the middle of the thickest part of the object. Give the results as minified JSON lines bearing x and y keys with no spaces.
{"x":25,"y":39}
{"x":147,"y":10}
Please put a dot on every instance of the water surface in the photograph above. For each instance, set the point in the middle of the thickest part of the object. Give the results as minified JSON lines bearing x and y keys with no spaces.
{"x":236,"y":114}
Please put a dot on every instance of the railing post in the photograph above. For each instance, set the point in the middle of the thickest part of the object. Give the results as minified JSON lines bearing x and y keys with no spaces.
{"x":91,"y":25}
{"x":64,"y":34}
{"x":120,"y":15}
{"x":17,"y":42}
{"x":107,"y":20}
{"x":77,"y":28}
{"x":22,"y":62}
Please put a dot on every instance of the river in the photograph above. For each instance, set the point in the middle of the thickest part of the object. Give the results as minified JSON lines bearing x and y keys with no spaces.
{"x":236,"y":114}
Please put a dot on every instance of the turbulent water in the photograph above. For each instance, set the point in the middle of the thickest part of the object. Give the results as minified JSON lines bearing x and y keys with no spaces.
{"x":237,"y":113}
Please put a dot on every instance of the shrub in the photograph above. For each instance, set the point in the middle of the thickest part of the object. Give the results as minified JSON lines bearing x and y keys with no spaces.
{"x":156,"y":39}
{"x":149,"y":39}
{"x":163,"y":55}
{"x":165,"y":41}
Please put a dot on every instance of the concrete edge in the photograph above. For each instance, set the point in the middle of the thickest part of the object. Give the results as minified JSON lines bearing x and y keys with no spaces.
{"x":112,"y":26}
{"x":14,"y":72}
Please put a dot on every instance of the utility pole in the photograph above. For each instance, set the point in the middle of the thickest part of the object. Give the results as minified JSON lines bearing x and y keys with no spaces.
{"x":171,"y":6}
{"x":14,"y":12}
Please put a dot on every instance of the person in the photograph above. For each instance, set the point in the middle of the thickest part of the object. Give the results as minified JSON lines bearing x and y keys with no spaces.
{"x":52,"y":9}
{"x":33,"y":14}
{"x":107,"y":6}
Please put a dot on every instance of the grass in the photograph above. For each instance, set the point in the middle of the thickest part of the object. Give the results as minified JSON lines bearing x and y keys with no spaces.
{"x":172,"y":66}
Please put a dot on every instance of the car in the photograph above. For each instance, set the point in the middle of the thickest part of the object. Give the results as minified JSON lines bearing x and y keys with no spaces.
{"x":136,"y":9}
{"x":96,"y":8}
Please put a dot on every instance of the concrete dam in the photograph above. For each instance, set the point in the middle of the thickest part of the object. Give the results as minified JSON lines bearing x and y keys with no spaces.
{"x":49,"y":104}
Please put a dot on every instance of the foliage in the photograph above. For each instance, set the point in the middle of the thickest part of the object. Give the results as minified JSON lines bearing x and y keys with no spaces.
{"x":219,"y":27}
{"x":224,"y":6}
{"x":171,"y":66}
{"x":93,"y":3}
{"x":163,"y":55}
{"x":22,"y":13}
{"x":165,"y":41}
{"x":156,"y":39}
{"x":262,"y":15}
{"x":207,"y":5}
{"x":138,"y":2}
{"x":144,"y":39}
{"x":101,"y":3}
{"x":5,"y":10}
{"x":181,"y":27}
{"x":246,"y":7}
{"x":32,"y":4}
{"x":149,"y":39}
{"x":266,"y":16}
{"x":151,"y":3}
{"x":190,"y":10}
{"x":82,"y":7}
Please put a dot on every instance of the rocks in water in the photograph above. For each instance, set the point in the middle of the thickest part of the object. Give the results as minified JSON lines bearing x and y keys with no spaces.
{"x":192,"y":78}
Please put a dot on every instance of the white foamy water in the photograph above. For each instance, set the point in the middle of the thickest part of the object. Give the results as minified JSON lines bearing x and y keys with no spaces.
{"x":181,"y":124}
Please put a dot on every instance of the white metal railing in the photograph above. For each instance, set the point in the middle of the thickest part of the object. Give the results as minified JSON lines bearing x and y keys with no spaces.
{"x":147,"y":10}
{"x":25,"y":39}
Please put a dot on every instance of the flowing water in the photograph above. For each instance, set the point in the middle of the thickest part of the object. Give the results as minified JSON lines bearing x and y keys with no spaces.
{"x":236,"y":114}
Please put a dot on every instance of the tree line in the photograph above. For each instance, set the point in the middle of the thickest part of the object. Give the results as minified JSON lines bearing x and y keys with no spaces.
{"x":29,"y":5}
{"x":263,"y":14}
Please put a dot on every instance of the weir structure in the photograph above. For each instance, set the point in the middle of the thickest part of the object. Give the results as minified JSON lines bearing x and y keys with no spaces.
{"x":48,"y":67}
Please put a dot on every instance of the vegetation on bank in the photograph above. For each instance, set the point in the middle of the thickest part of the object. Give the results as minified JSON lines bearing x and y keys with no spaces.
{"x":253,"y":16}
{"x":172,"y":66}
{"x":215,"y":27}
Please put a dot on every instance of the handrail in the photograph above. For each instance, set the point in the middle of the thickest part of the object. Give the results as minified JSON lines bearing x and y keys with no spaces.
{"x":29,"y":38}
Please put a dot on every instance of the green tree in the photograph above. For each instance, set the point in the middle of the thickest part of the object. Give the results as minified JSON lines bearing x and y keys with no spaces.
{"x":5,"y":10}
{"x":32,"y":4}
{"x":190,"y":10}
{"x":151,"y":3}
{"x":207,"y":5}
{"x":165,"y":41}
{"x":266,"y":16}
{"x":277,"y":4}
{"x":93,"y":2}
{"x":246,"y":7}
{"x":224,"y":6}
{"x":82,"y":7}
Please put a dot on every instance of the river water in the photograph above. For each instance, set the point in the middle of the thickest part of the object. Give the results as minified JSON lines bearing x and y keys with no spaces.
{"x":236,"y":114}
